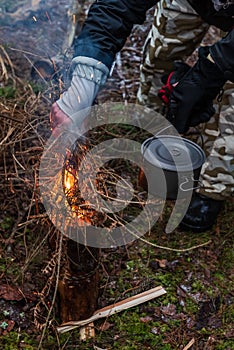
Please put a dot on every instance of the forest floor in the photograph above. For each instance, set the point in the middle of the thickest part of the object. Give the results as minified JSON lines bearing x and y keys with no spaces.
{"x":196,"y":313}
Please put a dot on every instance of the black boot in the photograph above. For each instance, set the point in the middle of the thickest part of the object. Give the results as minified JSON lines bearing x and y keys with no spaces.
{"x":201,"y":214}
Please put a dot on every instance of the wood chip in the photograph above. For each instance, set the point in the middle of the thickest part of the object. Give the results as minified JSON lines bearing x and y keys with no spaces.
{"x":87,"y":332}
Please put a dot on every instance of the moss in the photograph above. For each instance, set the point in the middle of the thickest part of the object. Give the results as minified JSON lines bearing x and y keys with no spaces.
{"x":15,"y":340}
{"x":7,"y":92}
{"x":133,"y":333}
{"x":7,"y":264}
{"x":7,"y":223}
{"x":191,"y":307}
{"x":197,"y":286}
{"x":228,"y":314}
{"x":224,"y":345}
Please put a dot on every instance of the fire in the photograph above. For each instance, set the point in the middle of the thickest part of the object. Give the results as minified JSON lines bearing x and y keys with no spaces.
{"x":69,"y":180}
{"x":81,"y":208}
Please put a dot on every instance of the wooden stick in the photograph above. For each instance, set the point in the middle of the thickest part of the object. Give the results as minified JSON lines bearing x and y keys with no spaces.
{"x":189,"y":344}
{"x":114,"y":308}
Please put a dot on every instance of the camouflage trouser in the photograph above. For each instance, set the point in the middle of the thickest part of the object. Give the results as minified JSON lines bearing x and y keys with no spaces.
{"x":176,"y":31}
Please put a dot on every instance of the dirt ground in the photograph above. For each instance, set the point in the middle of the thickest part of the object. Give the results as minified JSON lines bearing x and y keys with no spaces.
{"x":196,"y":313}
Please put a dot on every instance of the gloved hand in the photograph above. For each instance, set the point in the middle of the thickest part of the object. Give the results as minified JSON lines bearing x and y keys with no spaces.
{"x":70,"y":110}
{"x":201,"y":113}
{"x":171,"y":80}
{"x":191,"y":99}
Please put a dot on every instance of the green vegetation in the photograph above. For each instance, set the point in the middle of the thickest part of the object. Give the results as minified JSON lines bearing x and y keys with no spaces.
{"x":7,"y":92}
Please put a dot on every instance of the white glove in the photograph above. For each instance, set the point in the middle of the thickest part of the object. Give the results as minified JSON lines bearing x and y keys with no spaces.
{"x":87,"y":78}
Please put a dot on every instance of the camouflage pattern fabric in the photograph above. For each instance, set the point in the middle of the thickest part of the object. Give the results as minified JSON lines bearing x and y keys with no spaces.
{"x":176,"y":31}
{"x":217,"y":176}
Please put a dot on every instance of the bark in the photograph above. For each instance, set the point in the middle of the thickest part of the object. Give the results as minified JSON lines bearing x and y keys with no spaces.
{"x":78,"y":294}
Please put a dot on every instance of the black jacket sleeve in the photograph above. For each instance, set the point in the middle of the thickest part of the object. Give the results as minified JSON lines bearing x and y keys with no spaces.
{"x":223,"y":54}
{"x":107,"y":27}
{"x":223,"y":19}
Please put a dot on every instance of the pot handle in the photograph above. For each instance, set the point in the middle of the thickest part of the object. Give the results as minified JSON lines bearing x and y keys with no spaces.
{"x":191,"y":188}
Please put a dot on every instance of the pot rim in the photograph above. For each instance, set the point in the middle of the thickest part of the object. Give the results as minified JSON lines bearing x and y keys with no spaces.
{"x":189,"y":157}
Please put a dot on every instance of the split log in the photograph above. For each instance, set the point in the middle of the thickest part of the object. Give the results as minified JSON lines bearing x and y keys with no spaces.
{"x":78,"y":290}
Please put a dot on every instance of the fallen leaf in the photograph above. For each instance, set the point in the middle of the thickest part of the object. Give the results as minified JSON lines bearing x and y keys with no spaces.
{"x":207,"y":273}
{"x":181,"y":292}
{"x":146,"y":319}
{"x":169,"y":310}
{"x":190,"y":323}
{"x":13,"y":293}
{"x":180,"y":316}
{"x":10,"y":326}
{"x":162,"y":263}
{"x":10,"y":293}
{"x":229,"y":333}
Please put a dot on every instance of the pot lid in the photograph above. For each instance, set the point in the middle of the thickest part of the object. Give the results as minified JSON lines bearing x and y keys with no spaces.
{"x":173,"y":153}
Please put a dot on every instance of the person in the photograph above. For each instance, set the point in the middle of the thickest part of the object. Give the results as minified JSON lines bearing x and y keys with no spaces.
{"x":104,"y":33}
{"x":180,"y":32}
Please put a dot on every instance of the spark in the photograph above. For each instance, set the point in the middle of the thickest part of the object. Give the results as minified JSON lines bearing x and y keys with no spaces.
{"x":60,"y":84}
{"x":78,"y":97}
{"x":35,"y":18}
{"x":47,"y":15}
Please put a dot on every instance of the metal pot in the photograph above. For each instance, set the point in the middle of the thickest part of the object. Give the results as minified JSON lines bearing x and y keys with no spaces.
{"x":172,"y":166}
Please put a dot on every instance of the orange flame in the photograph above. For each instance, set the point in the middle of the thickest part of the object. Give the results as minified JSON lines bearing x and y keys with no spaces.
{"x":81,"y":209}
{"x":69,"y":180}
